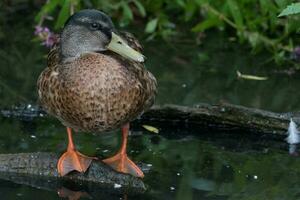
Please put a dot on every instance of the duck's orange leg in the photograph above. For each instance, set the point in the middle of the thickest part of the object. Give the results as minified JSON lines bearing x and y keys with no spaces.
{"x":120,"y":162}
{"x":72,"y":160}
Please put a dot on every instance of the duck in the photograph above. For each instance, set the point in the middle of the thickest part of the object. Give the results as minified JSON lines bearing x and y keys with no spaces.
{"x":95,"y":82}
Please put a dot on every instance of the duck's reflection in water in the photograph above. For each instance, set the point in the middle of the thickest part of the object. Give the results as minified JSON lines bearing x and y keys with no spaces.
{"x":64,"y":192}
{"x":72,"y":195}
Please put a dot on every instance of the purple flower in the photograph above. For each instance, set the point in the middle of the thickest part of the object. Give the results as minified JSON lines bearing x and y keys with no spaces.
{"x":38,"y":30}
{"x":45,"y":35}
{"x":50,"y":41}
{"x":295,"y":55}
{"x":46,"y":30}
{"x":297,"y":51}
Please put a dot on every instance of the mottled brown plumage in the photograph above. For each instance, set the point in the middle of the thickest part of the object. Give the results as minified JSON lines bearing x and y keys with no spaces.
{"x":95,"y":81}
{"x":97,"y":91}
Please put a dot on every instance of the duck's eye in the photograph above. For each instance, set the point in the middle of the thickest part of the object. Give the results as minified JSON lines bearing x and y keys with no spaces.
{"x":95,"y":26}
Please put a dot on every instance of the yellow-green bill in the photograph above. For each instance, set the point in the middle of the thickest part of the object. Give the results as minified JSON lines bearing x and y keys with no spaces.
{"x":150,"y":128}
{"x":251,"y":77}
{"x":120,"y":46}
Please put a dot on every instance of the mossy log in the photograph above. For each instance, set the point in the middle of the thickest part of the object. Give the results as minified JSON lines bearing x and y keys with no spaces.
{"x":222,"y":117}
{"x":39,"y":170}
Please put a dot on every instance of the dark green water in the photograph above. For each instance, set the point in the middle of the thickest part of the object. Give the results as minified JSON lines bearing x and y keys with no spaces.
{"x":208,"y":166}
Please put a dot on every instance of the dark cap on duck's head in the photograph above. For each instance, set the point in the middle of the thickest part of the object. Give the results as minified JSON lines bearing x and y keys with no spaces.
{"x":93,"y":21}
{"x":93,"y":31}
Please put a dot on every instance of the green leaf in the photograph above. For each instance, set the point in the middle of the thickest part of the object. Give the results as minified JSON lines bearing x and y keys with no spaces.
{"x":281,"y":3}
{"x":236,"y":13}
{"x":292,"y":9}
{"x":181,"y":3}
{"x":47,"y":8}
{"x":267,"y":6}
{"x":127,"y":13}
{"x":140,"y":7}
{"x":254,"y":39}
{"x":151,"y":26}
{"x":206,"y":24}
{"x":63,"y":14}
{"x":264,"y":6}
{"x":190,"y":9}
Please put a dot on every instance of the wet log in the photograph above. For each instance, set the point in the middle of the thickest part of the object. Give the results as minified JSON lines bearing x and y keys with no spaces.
{"x":39,"y":170}
{"x":222,"y":117}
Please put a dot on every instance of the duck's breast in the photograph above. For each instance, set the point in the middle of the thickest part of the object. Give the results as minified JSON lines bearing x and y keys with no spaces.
{"x":98,"y":93}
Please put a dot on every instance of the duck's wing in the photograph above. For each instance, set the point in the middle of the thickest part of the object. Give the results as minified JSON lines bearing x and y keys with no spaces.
{"x":148,"y":82}
{"x":132,"y":41}
{"x":53,"y":57}
{"x":48,"y":79}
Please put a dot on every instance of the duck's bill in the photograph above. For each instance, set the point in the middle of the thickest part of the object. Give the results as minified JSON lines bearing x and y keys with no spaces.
{"x":119,"y":46}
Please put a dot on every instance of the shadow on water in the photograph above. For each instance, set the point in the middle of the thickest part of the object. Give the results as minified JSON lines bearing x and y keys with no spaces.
{"x":198,"y":165}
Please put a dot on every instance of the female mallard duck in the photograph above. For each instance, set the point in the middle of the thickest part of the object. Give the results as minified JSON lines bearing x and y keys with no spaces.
{"x":95,"y":81}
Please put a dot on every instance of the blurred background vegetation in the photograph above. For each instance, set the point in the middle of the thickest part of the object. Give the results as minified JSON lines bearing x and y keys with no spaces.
{"x":249,"y":22}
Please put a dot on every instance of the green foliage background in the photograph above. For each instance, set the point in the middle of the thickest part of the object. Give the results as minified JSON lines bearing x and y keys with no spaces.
{"x":248,"y":21}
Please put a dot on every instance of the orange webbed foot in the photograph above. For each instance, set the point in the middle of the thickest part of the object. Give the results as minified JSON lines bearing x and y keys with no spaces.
{"x":121,"y":163}
{"x":73,"y":160}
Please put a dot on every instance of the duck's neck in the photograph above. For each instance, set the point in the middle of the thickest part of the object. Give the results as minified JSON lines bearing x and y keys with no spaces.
{"x":73,"y":44}
{"x":69,"y":47}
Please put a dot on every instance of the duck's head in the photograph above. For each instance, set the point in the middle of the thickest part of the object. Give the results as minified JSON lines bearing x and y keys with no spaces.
{"x":93,"y":31}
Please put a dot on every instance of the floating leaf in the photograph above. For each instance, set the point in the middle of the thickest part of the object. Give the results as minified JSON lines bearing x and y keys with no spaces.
{"x":292,"y":9}
{"x":151,"y":128}
{"x":250,"y":77}
{"x":151,"y":26}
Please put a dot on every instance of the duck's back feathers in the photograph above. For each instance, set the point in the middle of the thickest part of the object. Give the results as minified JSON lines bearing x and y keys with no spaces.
{"x":131,"y":41}
{"x":53,"y":57}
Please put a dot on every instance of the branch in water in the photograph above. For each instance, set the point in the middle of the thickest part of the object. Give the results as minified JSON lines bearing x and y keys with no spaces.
{"x":223,"y":117}
{"x":41,"y":167}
